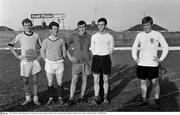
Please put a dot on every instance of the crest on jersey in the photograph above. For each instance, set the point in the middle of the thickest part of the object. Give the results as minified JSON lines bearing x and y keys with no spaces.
{"x":152,"y":40}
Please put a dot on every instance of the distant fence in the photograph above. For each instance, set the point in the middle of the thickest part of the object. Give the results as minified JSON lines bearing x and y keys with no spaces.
{"x":129,"y":42}
{"x":126,"y":39}
{"x":122,"y":39}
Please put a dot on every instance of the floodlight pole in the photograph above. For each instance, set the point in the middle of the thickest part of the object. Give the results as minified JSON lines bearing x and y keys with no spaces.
{"x":59,"y":21}
{"x":43,"y":19}
{"x":63,"y":23}
{"x":33,"y":21}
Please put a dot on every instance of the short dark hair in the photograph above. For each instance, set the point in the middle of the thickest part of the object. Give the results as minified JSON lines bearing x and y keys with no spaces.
{"x":53,"y":24}
{"x":81,"y":23}
{"x":103,"y":20}
{"x":27,"y":20}
{"x":147,"y":19}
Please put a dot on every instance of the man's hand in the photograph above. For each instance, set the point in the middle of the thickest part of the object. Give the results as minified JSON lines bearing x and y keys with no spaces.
{"x":20,"y":57}
{"x":73,"y":60}
{"x":157,"y":59}
{"x":38,"y":58}
{"x":90,"y":62}
{"x":137,"y":60}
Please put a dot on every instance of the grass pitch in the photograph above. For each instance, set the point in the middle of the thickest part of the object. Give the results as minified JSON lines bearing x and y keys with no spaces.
{"x":124,"y":87}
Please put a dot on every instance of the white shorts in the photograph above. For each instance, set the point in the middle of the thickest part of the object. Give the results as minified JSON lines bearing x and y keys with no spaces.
{"x":29,"y":67}
{"x":54,"y":67}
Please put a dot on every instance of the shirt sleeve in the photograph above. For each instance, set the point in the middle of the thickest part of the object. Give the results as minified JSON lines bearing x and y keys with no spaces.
{"x":111,"y":45}
{"x":164,"y":45}
{"x":43,"y":49}
{"x":15,"y":41}
{"x":135,"y":47}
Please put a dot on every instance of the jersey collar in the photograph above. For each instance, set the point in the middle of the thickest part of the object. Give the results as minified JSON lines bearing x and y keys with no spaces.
{"x":28,"y":34}
{"x":50,"y":38}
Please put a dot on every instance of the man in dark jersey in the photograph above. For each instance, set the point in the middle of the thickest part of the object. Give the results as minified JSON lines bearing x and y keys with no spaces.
{"x":80,"y":61}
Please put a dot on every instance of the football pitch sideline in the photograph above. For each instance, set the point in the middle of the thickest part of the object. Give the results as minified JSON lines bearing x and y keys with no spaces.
{"x":124,"y":86}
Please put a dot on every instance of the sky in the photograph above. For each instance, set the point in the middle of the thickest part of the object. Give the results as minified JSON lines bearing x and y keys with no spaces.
{"x":121,"y":14}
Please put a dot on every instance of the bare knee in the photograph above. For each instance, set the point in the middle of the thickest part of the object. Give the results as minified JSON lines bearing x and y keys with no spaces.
{"x":50,"y":78}
{"x":35,"y":80}
{"x":59,"y":83}
{"x":143,"y":83}
{"x":74,"y":80}
{"x":105,"y":79}
{"x":155,"y":82}
{"x":96,"y":79}
{"x":26,"y":81}
{"x":84,"y":78}
{"x":50,"y":83}
{"x":59,"y":78}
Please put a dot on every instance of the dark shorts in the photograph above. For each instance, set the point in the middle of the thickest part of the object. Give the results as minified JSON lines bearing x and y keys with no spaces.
{"x":101,"y":64}
{"x":145,"y":72}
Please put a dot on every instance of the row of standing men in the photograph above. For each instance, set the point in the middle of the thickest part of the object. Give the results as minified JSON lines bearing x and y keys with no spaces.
{"x":98,"y":60}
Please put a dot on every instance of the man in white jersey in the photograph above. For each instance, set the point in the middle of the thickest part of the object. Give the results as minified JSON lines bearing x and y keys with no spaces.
{"x":147,"y":61}
{"x":102,"y":45}
{"x":29,"y":59}
{"x":53,"y":52}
